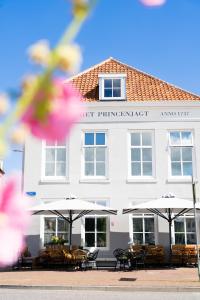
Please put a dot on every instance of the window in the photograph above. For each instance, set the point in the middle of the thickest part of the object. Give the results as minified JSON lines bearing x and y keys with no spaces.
{"x":54,"y":226}
{"x":143,"y":229}
{"x":141,"y":154}
{"x":96,"y":230}
{"x":55,"y":160}
{"x":181,"y":153}
{"x":184,"y":230}
{"x":95,"y":152}
{"x":112,"y":86}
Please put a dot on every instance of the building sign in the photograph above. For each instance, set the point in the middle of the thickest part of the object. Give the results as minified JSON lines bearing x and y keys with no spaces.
{"x":137,"y":115}
{"x":31,"y":194}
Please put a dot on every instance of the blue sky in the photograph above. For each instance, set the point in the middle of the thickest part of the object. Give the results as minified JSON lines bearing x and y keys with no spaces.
{"x":162,"y":41}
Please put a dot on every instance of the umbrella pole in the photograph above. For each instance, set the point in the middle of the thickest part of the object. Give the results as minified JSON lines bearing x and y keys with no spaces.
{"x":70,"y":230}
{"x":170,"y":235}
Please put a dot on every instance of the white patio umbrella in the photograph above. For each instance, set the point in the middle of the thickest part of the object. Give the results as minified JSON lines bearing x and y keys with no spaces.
{"x":167,"y":207}
{"x":71,"y":209}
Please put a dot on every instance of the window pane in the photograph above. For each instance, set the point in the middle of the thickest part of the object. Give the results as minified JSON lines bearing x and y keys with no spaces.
{"x":191,"y":239}
{"x":175,"y":154}
{"x":186,"y":138}
{"x":101,"y":239}
{"x":137,"y":225}
{"x":50,"y":225}
{"x":50,"y":154}
{"x":101,"y":224}
{"x":100,"y":169}
{"x":136,"y":169}
{"x":138,"y":238}
{"x":175,"y":138}
{"x":100,"y":138}
{"x":187,"y":169}
{"x":62,"y":225}
{"x":190,"y":225}
{"x":146,"y":139}
{"x":89,"y":169}
{"x":135,"y":154}
{"x":147,"y":168}
{"x":61,"y":155}
{"x":135,"y":139}
{"x":180,"y":238}
{"x":89,"y":240}
{"x":149,"y":238}
{"x":117,"y":83}
{"x":147,"y":154}
{"x":61,"y":169}
{"x":101,"y":202}
{"x":149,"y":224}
{"x":89,"y":138}
{"x":187,"y":154}
{"x":176,"y":169}
{"x":117,"y":92}
{"x":179,"y":225}
{"x":108,"y":93}
{"x":47,"y":238}
{"x":100,"y":154}
{"x":49,"y":169}
{"x":89,"y":154}
{"x":108,"y":83}
{"x":89,"y":224}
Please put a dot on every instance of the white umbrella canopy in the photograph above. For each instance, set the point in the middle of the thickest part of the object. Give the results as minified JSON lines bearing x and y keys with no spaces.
{"x":167,"y":207}
{"x":75,"y":206}
{"x":163,"y":204}
{"x":71,"y":209}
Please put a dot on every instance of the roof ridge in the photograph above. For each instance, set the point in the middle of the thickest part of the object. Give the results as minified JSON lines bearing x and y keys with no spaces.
{"x":154,"y":77}
{"x":89,"y":69}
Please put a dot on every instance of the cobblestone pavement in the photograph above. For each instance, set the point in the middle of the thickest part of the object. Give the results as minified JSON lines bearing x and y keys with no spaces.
{"x":180,"y":277}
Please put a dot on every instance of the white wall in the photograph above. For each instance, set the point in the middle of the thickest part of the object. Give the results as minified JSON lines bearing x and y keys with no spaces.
{"x":118,"y":189}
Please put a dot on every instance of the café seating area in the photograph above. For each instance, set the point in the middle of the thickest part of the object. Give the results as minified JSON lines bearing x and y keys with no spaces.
{"x":184,"y":255}
{"x":136,"y":256}
{"x":54,"y":256}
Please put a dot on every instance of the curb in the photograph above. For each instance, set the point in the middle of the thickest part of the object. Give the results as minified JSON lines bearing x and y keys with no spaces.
{"x":107,"y":288}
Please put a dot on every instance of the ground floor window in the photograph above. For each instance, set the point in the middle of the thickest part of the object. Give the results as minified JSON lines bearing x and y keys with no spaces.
{"x":95,"y":229}
{"x":143,"y":229}
{"x":184,"y":230}
{"x":54,"y":226}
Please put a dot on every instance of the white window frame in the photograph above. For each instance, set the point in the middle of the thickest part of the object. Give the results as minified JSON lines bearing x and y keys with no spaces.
{"x":42,"y":229}
{"x":54,"y":178}
{"x":94,"y":177}
{"x":120,"y":76}
{"x":138,"y":178}
{"x":143,"y":216}
{"x":184,"y":217}
{"x":180,"y":177}
{"x":107,"y":227}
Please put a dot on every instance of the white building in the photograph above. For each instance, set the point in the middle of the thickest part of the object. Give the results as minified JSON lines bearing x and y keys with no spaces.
{"x":138,"y":140}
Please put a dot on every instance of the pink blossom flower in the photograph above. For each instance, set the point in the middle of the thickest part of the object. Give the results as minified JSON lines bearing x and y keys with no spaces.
{"x":53,"y":111}
{"x":13,"y":222}
{"x":153,"y":2}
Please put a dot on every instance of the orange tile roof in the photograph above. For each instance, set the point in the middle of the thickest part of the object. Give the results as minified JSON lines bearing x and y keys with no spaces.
{"x":139,"y":85}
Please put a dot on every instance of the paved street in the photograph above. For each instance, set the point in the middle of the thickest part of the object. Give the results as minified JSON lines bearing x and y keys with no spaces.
{"x":18,"y":294}
{"x":180,"y":277}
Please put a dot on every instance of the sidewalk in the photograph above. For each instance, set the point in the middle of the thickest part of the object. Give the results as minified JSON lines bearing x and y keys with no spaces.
{"x":175,"y":279}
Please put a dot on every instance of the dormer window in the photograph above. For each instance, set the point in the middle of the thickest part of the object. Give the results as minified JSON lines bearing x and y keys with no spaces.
{"x":112,"y":86}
